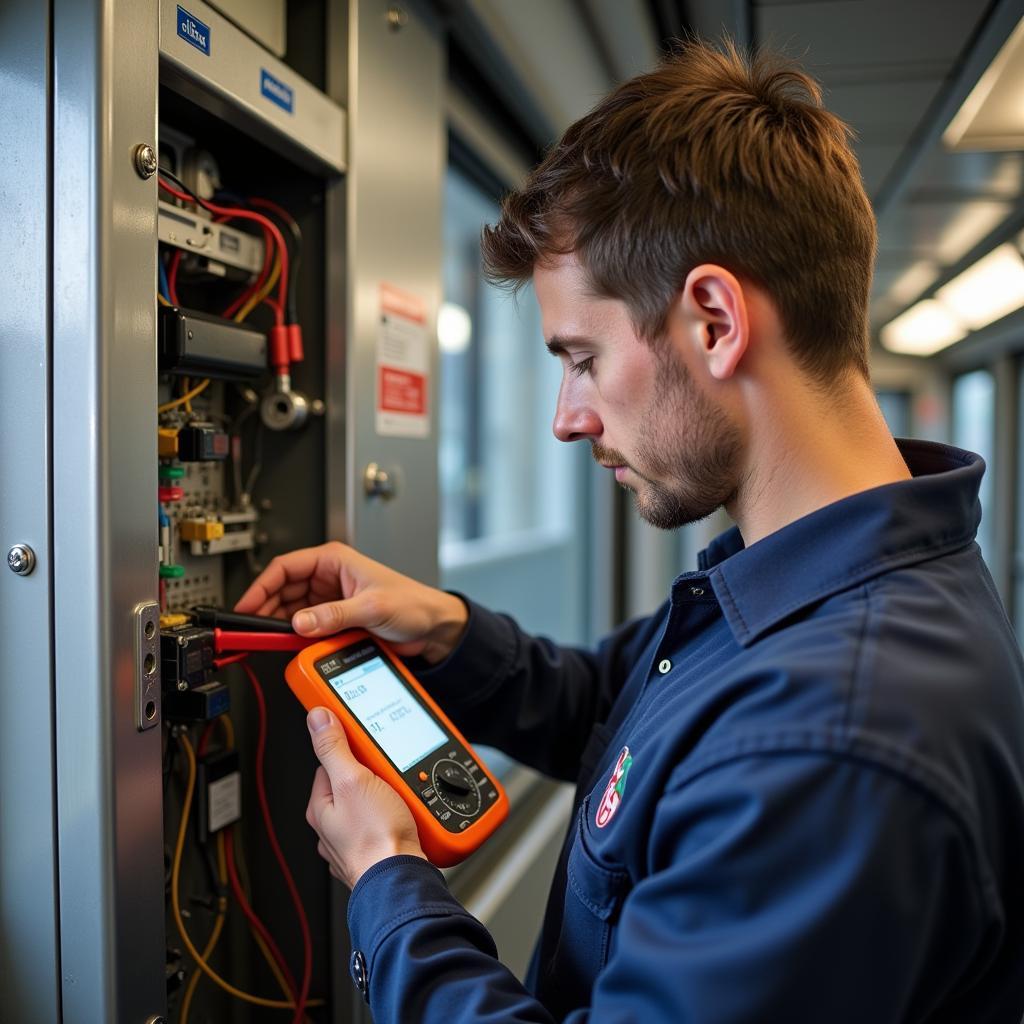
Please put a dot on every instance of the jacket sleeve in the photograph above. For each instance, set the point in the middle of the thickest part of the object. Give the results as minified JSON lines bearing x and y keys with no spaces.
{"x":788,"y":887}
{"x":527,"y":696}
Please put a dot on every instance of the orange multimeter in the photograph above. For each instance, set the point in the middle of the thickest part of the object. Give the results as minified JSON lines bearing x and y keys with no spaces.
{"x":401,"y":735}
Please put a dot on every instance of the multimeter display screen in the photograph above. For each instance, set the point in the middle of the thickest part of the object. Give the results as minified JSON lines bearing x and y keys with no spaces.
{"x":388,"y":712}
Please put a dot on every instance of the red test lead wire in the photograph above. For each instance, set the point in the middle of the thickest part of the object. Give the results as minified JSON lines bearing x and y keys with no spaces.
{"x":225,"y":640}
{"x":307,"y":942}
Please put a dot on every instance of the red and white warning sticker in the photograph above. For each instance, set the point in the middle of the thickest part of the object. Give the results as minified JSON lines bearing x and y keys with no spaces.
{"x":403,"y":364}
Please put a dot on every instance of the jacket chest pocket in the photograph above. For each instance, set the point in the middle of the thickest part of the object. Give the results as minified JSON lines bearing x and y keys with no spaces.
{"x":593,"y":898}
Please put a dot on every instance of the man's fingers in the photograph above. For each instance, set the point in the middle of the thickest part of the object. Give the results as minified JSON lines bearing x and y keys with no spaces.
{"x":362,"y":610}
{"x":320,"y":797}
{"x":290,"y":568}
{"x":331,"y":747}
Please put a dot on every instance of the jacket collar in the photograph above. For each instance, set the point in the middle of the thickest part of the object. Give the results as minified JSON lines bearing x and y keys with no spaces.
{"x":847,"y":542}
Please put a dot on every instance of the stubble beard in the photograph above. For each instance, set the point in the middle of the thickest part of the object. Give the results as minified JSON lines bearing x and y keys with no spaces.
{"x":687,"y":455}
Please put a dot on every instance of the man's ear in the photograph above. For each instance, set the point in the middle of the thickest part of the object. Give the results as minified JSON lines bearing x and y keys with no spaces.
{"x":716,"y":312}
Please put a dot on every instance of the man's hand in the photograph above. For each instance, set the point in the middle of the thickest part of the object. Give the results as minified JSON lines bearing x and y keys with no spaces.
{"x":359,"y":818}
{"x":332,"y":587}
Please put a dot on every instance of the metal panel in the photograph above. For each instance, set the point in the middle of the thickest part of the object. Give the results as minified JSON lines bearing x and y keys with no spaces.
{"x":29,"y":956}
{"x":264,"y":20}
{"x":104,"y":481}
{"x":234,"y":77}
{"x":397,"y":139}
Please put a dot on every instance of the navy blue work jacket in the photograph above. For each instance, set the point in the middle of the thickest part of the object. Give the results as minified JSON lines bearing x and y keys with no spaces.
{"x":800,"y":790}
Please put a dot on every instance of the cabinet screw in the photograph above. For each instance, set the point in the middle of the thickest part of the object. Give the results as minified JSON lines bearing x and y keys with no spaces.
{"x":145,"y":160}
{"x":21,"y":559}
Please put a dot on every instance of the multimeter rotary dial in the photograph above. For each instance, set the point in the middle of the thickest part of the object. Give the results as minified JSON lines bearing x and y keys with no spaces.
{"x":456,"y":788}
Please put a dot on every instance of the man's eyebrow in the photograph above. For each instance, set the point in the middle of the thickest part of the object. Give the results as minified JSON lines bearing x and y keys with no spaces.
{"x":558,"y":343}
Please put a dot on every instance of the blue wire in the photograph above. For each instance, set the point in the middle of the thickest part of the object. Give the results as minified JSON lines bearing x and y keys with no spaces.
{"x":165,"y":289}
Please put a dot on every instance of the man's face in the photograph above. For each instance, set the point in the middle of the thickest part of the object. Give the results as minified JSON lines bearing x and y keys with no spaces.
{"x":638,"y":404}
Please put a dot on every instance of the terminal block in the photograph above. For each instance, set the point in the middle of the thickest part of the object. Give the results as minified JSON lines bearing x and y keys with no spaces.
{"x":200,"y":529}
{"x":186,"y":657}
{"x":237,"y":533}
{"x":198,"y":704}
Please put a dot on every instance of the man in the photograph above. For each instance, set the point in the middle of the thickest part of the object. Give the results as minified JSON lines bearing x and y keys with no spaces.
{"x":801,"y":782}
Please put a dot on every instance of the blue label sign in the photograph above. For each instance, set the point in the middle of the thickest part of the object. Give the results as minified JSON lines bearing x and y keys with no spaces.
{"x":194,"y":31}
{"x":276,"y":91}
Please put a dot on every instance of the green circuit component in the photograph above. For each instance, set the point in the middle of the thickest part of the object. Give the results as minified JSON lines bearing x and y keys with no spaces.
{"x":172,"y":572}
{"x":172,"y":472}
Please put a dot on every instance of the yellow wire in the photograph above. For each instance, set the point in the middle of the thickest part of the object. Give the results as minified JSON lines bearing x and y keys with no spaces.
{"x":222,"y":903}
{"x":162,"y":300}
{"x":187,"y":397}
{"x":179,"y":846}
{"x":218,"y":927}
{"x":187,"y":400}
{"x":268,"y":286}
{"x":229,"y":743}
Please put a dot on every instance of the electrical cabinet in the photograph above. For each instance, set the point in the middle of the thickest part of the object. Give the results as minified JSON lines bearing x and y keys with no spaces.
{"x":158,"y":451}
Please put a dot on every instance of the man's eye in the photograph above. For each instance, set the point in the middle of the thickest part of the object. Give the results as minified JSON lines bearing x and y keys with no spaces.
{"x":582,"y":367}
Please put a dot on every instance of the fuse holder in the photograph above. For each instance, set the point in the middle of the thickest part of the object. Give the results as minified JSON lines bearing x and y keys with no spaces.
{"x":279,"y":348}
{"x":171,"y":572}
{"x":203,"y":442}
{"x":200,"y":529}
{"x":170,"y":492}
{"x":167,"y":443}
{"x":172,"y":472}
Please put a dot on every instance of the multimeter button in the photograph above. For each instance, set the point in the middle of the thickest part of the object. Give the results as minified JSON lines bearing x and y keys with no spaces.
{"x":428,"y":794}
{"x":423,"y":776}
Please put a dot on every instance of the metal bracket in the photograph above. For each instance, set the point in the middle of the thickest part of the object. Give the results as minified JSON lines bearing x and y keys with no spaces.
{"x":147,"y":665}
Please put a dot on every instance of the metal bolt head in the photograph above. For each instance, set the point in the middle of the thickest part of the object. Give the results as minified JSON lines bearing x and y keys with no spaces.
{"x":182,"y":685}
{"x":397,"y":18}
{"x":145,"y":160}
{"x":21,"y":559}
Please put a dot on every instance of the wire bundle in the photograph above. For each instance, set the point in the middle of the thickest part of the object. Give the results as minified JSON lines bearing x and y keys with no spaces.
{"x":280,"y":267}
{"x":297,"y":997}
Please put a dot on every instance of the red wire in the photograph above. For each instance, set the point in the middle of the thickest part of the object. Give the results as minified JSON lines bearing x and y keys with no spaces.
{"x":238,"y":212}
{"x":249,"y":292}
{"x":229,"y":659}
{"x":236,"y":888}
{"x":275,"y":306}
{"x":172,"y":277}
{"x":269,"y":204}
{"x":307,"y":944}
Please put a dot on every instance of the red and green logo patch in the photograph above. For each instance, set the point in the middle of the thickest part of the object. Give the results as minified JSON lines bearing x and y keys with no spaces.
{"x":614,"y":790}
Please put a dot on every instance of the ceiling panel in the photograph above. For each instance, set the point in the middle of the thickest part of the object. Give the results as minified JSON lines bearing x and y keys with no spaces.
{"x":862,"y":33}
{"x":942,"y":231}
{"x":882,"y":111}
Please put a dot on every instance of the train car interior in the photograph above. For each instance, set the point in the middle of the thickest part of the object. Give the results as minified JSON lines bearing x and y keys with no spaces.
{"x":246,"y":313}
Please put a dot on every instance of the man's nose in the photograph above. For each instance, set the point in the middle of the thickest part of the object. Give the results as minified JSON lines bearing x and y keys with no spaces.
{"x":575,"y":421}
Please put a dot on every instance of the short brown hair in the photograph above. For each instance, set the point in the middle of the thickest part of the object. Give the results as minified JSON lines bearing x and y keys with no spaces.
{"x":712,"y":157}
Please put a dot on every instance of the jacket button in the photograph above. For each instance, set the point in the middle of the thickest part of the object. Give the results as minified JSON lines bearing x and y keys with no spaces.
{"x":357,"y":968}
{"x":664,"y":666}
{"x":697,"y":591}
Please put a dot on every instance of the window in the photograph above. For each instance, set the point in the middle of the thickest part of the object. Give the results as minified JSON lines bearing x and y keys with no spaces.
{"x":512,"y":524}
{"x":974,"y":429}
{"x":895,"y":406}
